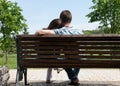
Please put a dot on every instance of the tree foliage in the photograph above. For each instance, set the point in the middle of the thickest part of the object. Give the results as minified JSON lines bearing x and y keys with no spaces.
{"x":92,"y":31}
{"x":11,"y":22}
{"x":107,"y":12}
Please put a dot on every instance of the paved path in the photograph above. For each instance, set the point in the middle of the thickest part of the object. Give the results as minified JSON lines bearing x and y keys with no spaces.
{"x":87,"y":77}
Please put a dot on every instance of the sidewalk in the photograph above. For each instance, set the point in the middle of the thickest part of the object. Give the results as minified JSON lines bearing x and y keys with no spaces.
{"x":87,"y":77}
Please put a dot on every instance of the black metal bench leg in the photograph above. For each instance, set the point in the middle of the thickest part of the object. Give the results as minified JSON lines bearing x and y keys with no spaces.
{"x":25,"y":76}
{"x":17,"y":76}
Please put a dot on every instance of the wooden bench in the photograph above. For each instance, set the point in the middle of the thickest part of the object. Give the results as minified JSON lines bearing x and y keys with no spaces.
{"x":64,"y":51}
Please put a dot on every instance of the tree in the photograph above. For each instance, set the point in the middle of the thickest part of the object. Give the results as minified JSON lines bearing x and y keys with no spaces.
{"x":11,"y":22}
{"x":92,"y":31}
{"x":107,"y":12}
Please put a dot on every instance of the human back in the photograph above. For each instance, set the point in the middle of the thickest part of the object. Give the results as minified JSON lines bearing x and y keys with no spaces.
{"x":66,"y":18}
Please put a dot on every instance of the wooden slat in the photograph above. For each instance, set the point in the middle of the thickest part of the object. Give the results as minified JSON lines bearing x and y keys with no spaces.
{"x":49,"y":47}
{"x":53,"y":52}
{"x":72,"y":38}
{"x":71,"y":56}
{"x":99,"y":52}
{"x":47,"y":43}
{"x":70,"y":47}
{"x":70,"y":63}
{"x":73,"y":65}
{"x":98,"y":42}
{"x":99,"y":47}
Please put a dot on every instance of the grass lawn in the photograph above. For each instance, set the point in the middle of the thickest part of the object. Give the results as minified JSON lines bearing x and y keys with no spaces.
{"x":12,"y":61}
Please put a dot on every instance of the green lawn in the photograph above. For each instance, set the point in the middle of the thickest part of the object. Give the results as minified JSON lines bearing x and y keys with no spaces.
{"x":12,"y":61}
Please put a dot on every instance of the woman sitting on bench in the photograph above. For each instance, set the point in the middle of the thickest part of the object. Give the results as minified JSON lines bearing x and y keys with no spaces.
{"x":55,"y":23}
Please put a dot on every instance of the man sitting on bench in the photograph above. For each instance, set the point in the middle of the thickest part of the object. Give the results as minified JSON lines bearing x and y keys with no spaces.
{"x":66,"y":18}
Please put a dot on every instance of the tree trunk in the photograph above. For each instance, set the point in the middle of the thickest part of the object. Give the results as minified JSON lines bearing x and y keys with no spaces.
{"x":6,"y":57}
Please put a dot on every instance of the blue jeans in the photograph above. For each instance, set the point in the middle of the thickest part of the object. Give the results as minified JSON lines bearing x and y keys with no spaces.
{"x":72,"y":73}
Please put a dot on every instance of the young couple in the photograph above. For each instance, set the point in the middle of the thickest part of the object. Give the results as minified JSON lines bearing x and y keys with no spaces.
{"x":61,"y":26}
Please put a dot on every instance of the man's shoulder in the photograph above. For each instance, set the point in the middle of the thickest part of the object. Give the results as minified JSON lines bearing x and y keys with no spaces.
{"x":67,"y":31}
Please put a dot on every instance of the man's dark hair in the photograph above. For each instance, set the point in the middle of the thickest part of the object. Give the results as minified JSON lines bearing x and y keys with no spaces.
{"x":66,"y":17}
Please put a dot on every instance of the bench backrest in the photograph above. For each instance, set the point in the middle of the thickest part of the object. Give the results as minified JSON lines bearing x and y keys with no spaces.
{"x":84,"y":51}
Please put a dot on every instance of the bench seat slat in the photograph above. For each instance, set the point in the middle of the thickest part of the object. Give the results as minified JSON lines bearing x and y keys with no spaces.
{"x":49,"y":47}
{"x":99,"y":47}
{"x":32,"y":42}
{"x":53,"y":52}
{"x":73,"y":61}
{"x":79,"y":38}
{"x":72,"y":47}
{"x":98,"y":42}
{"x":68,"y":63}
{"x":78,"y":42}
{"x":70,"y":56}
{"x":71,"y":66}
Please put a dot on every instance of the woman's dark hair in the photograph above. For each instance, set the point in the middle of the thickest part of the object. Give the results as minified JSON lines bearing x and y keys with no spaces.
{"x":55,"y":24}
{"x":66,"y":17}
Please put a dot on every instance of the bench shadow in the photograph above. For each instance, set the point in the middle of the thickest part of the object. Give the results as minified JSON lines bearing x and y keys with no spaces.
{"x":65,"y":83}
